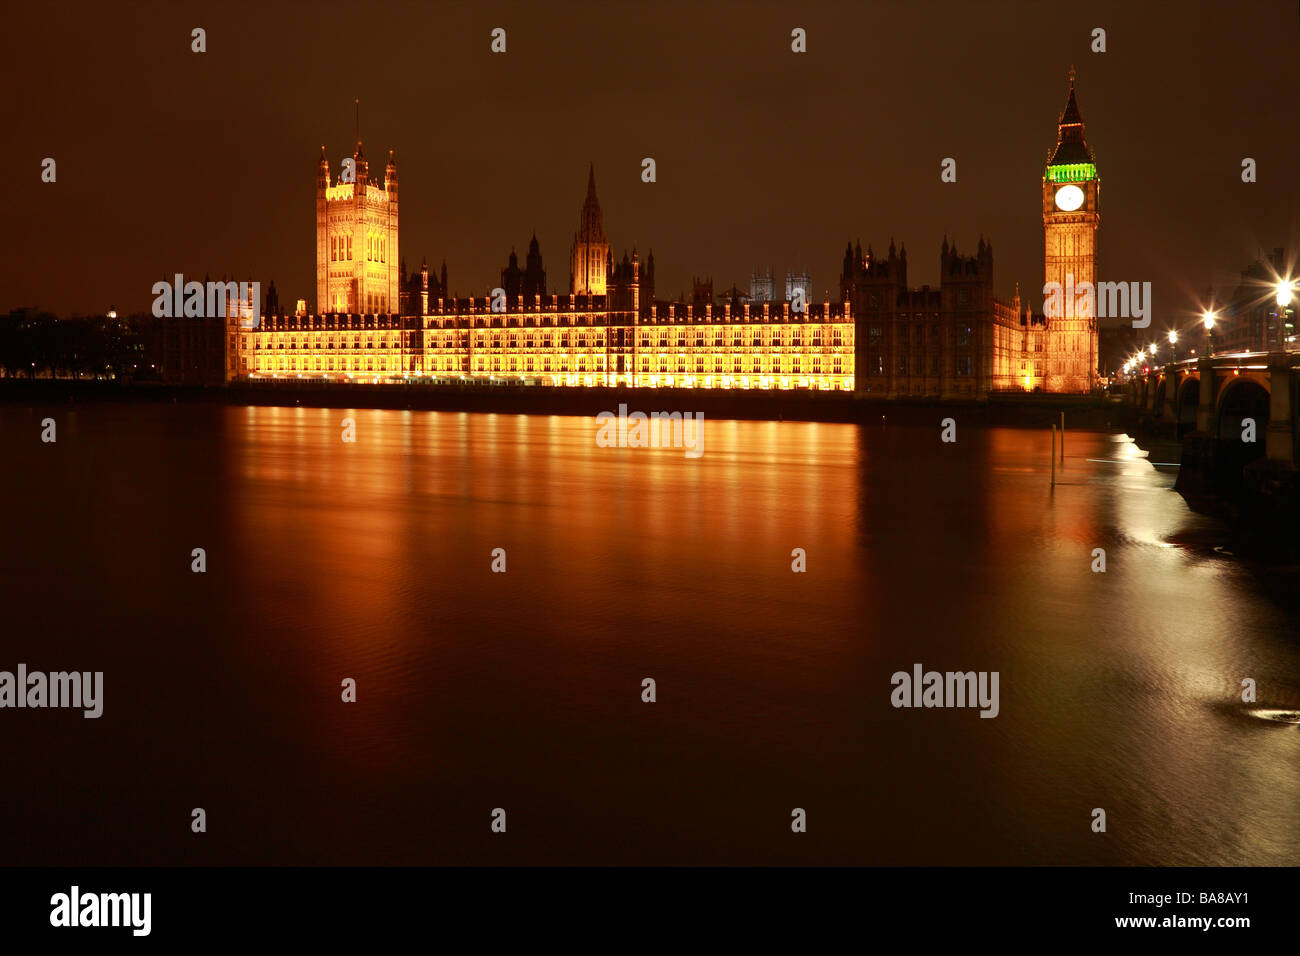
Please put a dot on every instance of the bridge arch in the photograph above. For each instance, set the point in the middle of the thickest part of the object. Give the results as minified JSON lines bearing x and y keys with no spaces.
{"x":1242,"y":397}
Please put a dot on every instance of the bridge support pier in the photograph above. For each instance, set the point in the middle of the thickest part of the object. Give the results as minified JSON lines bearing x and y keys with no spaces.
{"x":1279,"y":438}
{"x":1170,"y":411}
{"x":1208,"y":394}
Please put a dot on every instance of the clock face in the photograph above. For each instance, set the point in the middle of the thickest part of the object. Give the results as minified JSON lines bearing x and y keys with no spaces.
{"x":1069,"y":198}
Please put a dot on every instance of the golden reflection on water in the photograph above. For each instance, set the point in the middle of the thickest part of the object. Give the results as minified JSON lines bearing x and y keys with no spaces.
{"x":373,"y":558}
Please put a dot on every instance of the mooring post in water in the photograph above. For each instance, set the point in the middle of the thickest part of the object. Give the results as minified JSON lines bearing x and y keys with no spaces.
{"x":1062,"y":439}
{"x":1053,"y":456}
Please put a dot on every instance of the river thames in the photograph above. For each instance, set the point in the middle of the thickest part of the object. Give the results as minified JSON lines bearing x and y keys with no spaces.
{"x":372,"y":561}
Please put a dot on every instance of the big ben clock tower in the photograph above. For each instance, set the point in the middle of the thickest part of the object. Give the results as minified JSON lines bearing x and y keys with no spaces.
{"x":1071,"y":215}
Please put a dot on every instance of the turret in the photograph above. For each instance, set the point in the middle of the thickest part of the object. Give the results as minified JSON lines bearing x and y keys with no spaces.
{"x":322,"y":232}
{"x":390,"y":177}
{"x":636,"y":284}
{"x":362,"y":169}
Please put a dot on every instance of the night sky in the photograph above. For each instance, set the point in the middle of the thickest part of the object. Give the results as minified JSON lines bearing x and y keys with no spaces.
{"x":171,"y":161}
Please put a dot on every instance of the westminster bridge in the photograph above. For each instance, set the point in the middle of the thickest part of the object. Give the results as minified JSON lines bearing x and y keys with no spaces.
{"x":1237,"y":397}
{"x":1235,"y":417}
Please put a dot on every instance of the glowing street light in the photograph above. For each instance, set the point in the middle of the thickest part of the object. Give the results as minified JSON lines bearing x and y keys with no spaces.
{"x":1207,"y":317}
{"x":1285,"y":294}
{"x":1285,"y":290}
{"x":1173,"y":337}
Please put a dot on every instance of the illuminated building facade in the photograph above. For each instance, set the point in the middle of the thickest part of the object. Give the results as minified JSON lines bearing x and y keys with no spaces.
{"x":576,"y":340}
{"x":883,"y":338}
{"x":1071,"y":217}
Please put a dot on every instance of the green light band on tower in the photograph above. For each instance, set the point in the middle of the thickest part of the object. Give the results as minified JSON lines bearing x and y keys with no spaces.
{"x":1071,"y":173}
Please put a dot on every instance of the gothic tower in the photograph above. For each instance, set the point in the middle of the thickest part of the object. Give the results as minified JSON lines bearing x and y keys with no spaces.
{"x":357,"y":254}
{"x":590,"y":246}
{"x":1071,"y":215}
{"x":534,"y":274}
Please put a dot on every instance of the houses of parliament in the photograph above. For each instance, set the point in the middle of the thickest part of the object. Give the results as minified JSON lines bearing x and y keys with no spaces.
{"x":375,"y":323}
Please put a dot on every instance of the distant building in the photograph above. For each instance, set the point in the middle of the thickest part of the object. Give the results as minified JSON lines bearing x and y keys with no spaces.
{"x":701,"y":291}
{"x":798,"y":282}
{"x":1249,"y":321}
{"x":202,"y":351}
{"x":761,"y":288}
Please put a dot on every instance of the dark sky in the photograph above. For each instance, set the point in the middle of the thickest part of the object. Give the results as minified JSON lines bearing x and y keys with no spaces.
{"x":170,"y":161}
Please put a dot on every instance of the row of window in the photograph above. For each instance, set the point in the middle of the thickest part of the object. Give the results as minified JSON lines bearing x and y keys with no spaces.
{"x":376,"y":248}
{"x":485,"y":318}
{"x":376,"y":304}
{"x":648,"y":340}
{"x":580,"y":364}
{"x":876,"y":334}
{"x":681,"y":366}
{"x":323,"y":364}
{"x":545,"y":364}
{"x":962,"y":365}
{"x":384,"y":343}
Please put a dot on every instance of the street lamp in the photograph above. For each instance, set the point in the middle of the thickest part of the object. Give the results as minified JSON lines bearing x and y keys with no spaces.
{"x":1284,"y":297}
{"x":1173,"y":344}
{"x":1208,"y":319}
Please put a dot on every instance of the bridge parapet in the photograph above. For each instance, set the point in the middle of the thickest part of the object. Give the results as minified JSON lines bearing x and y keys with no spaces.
{"x":1160,"y":396}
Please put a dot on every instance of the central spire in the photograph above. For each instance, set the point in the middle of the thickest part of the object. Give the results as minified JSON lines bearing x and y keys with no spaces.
{"x":590,"y":265}
{"x":591,"y":227}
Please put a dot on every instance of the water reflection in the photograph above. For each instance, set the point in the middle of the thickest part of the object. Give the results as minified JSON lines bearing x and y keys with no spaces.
{"x":371,"y":560}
